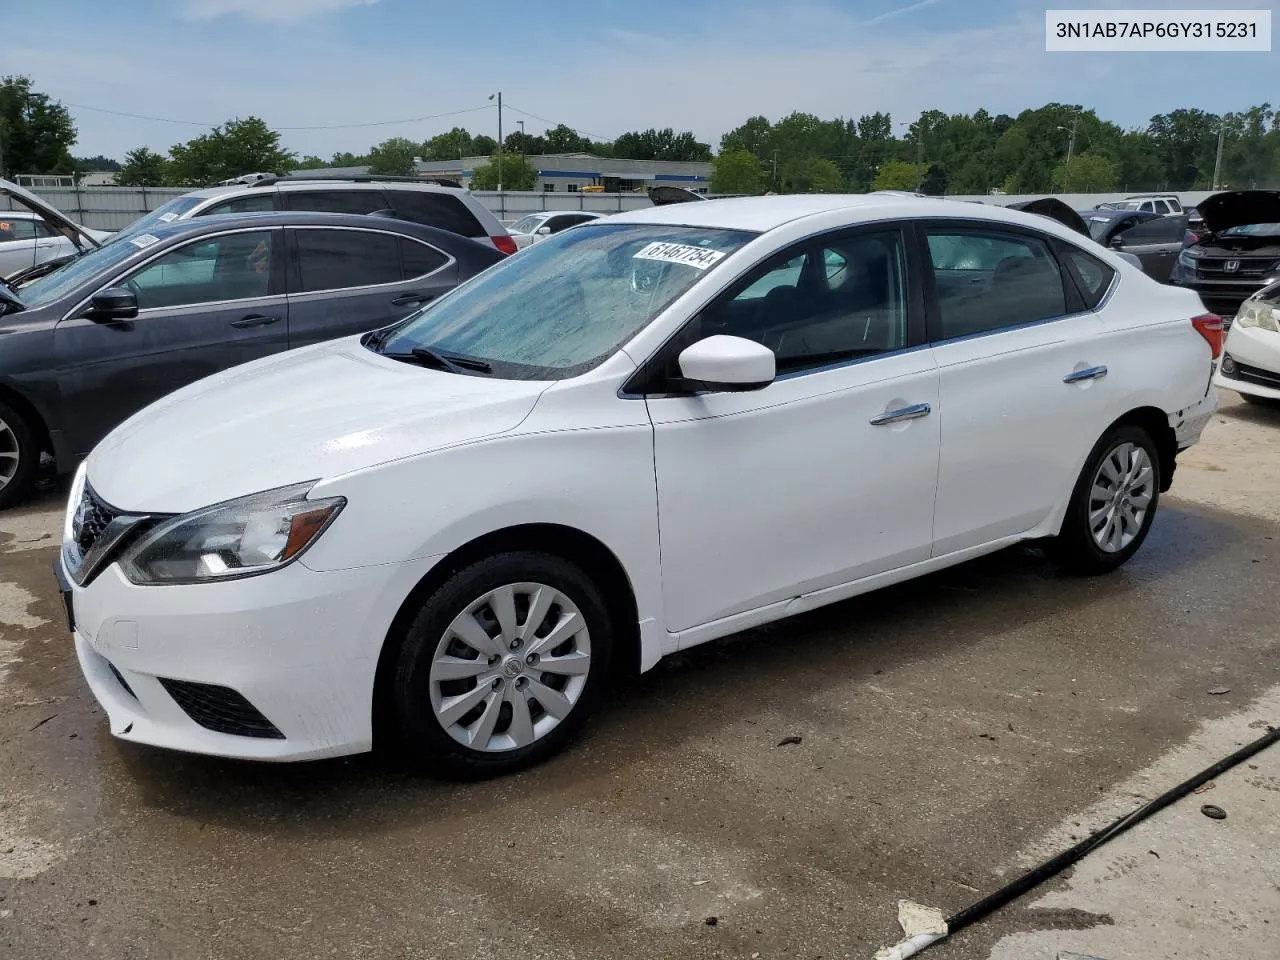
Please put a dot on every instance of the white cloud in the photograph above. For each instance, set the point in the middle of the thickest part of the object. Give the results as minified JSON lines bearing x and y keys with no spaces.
{"x":274,"y":11}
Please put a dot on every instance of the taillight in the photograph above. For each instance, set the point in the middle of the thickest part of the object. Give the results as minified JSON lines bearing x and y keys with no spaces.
{"x":504,"y":243}
{"x":1209,"y":326}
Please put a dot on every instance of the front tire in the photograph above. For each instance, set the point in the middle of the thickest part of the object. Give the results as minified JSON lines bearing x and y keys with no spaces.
{"x":19,"y":457}
{"x":1112,"y":505}
{"x":502,"y":665}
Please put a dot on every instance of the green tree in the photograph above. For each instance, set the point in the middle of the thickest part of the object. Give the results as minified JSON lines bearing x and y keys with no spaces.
{"x":524,"y":143}
{"x":348,"y":159}
{"x":663,"y":144}
{"x":562,"y":139}
{"x":1087,"y":173}
{"x":453,"y":145}
{"x":98,"y":162}
{"x":935,"y":180}
{"x":36,"y":133}
{"x":736,"y":171}
{"x":394,"y":157}
{"x":232,"y":150}
{"x":143,"y":167}
{"x":896,"y":175}
{"x":517,"y":174}
{"x":813,"y":175}
{"x":482,"y":146}
{"x":310,"y":162}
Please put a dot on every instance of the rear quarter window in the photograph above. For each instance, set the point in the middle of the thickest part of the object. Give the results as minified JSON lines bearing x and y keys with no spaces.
{"x":440,"y":210}
{"x":1092,"y":277}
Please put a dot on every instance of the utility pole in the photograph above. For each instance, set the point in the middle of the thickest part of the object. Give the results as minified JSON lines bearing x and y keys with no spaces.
{"x":522,"y":143}
{"x":499,"y":96}
{"x":775,"y":170}
{"x":919,"y":159}
{"x":1217,"y":163}
{"x":1071,"y":143}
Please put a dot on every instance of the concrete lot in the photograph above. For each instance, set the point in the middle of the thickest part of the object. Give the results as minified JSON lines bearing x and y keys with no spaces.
{"x":953,"y":730}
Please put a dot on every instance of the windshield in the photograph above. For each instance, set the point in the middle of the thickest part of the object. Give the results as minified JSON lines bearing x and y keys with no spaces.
{"x":54,"y":286}
{"x":565,"y":304}
{"x":173,"y":210}
{"x":527,"y":224}
{"x":1098,"y":227}
{"x":1252,"y":230}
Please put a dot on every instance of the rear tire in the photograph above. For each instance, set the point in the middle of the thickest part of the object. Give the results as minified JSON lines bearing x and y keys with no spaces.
{"x":19,"y":456}
{"x":502,"y":665}
{"x":1112,"y":505}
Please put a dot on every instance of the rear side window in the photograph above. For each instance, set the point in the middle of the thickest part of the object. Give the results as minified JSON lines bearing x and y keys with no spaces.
{"x":440,"y":210}
{"x":335,"y":201}
{"x":1091,"y":275}
{"x":339,"y":259}
{"x":262,"y":202}
{"x":419,"y":259}
{"x":988,"y":280}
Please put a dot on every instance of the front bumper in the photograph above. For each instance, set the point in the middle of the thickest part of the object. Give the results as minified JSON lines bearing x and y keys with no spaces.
{"x":1255,"y":355}
{"x":1223,"y":298}
{"x":300,"y":647}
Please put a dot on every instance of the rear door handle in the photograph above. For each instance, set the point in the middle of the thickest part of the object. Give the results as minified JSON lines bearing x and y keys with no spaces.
{"x":406,"y":298}
{"x":254,"y":320}
{"x":1088,"y":373}
{"x":913,"y":412}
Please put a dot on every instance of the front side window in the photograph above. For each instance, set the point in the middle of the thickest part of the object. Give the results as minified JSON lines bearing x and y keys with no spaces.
{"x":566,"y":304}
{"x":338,"y":259}
{"x":528,"y":224}
{"x":841,"y":298}
{"x":16,"y":229}
{"x":987,"y":280}
{"x":234,"y":266}
{"x":1155,"y":230}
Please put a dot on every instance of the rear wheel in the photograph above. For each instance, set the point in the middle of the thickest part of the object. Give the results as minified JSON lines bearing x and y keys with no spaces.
{"x":502,"y":665}
{"x":19,"y":456}
{"x":1113,"y":504}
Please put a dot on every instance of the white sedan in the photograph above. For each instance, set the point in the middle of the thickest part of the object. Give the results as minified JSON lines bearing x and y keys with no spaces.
{"x":537,"y":226}
{"x":28,"y":239}
{"x":1251,"y":358}
{"x":637,"y":436}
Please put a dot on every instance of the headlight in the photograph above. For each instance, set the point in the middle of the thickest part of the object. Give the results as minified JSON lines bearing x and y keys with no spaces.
{"x":1187,"y":259}
{"x":73,"y":502}
{"x":239,"y":538}
{"x":1255,"y":313}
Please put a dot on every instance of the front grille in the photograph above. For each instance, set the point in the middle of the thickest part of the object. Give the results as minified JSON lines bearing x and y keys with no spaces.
{"x":121,"y":680}
{"x":220,"y":709}
{"x":1263,"y":378}
{"x":1215,"y":268}
{"x":91,"y":519}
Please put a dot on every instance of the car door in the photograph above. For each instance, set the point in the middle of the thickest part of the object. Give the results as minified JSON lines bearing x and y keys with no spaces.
{"x":17,"y":244}
{"x":204,"y":305}
{"x":1156,"y":242}
{"x":1022,"y":365}
{"x":826,"y":475}
{"x":347,"y":280}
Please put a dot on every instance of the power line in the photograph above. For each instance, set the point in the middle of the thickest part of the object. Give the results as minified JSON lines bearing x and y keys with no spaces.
{"x":322,"y":126}
{"x":553,"y":123}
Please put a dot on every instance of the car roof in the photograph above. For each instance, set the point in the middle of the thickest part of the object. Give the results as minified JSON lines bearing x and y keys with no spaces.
{"x":18,"y":215}
{"x":214,"y":223}
{"x":760,"y":214}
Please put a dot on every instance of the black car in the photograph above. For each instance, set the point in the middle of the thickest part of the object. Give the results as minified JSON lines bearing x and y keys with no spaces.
{"x":1238,"y":252}
{"x":118,"y":327}
{"x":1155,"y":239}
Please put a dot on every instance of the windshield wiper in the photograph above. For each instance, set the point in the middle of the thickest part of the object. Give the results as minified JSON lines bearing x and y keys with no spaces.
{"x":440,"y":361}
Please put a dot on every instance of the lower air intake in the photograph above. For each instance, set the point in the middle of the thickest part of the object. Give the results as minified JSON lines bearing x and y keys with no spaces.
{"x":220,"y":709}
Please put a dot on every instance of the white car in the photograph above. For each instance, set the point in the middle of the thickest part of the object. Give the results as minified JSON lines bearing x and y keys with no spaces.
{"x":529,"y":230}
{"x":1250,"y":362}
{"x":634,"y":437}
{"x":27,"y":239}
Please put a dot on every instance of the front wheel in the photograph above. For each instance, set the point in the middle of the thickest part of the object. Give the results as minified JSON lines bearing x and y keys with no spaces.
{"x":1113,"y":503}
{"x":502,"y":665}
{"x":19,"y":456}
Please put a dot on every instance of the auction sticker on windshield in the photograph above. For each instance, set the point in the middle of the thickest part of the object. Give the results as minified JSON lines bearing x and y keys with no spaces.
{"x":142,"y":241}
{"x":167,"y":217}
{"x":699,"y":258}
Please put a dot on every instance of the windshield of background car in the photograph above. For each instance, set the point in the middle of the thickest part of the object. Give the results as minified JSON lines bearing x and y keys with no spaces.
{"x":1098,"y":227}
{"x":566,"y":304}
{"x":54,"y":286}
{"x":1252,"y":230}
{"x":527,"y":224}
{"x":173,"y":210}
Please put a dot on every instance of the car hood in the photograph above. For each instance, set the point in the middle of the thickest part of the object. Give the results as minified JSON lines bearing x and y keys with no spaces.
{"x":83,"y":238}
{"x":306,"y":414}
{"x":1054,"y":209}
{"x":1235,"y":208}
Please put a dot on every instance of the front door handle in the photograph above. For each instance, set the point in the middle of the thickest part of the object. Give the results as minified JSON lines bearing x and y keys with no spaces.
{"x":913,"y":412}
{"x":406,"y":298}
{"x":1088,"y":373}
{"x":254,"y":320}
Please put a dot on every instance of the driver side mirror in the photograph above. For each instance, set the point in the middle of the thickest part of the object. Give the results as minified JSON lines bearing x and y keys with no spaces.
{"x":544,"y":231}
{"x":114,"y":303}
{"x":1116,"y":242}
{"x":730,"y":364}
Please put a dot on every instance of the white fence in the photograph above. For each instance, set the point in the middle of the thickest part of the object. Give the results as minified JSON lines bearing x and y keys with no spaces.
{"x":113,"y":208}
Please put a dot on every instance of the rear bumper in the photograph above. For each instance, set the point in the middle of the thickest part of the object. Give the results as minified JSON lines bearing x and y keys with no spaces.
{"x":1189,"y":422}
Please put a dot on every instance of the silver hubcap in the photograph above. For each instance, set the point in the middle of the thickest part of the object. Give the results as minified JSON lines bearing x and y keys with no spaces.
{"x":510,"y":667}
{"x":1121,"y":495}
{"x":9,"y":455}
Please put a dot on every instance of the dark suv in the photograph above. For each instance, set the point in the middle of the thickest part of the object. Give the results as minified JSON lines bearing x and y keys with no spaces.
{"x":116,"y":328}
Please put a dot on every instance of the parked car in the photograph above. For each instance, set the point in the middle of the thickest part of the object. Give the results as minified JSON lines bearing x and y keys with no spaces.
{"x":1238,"y":254}
{"x":429,"y":202}
{"x":1056,"y":209}
{"x":1161,"y":203}
{"x":38,"y":233}
{"x":1251,"y":357}
{"x":121,"y":326}
{"x":529,"y":230}
{"x":446,"y":531}
{"x":1155,"y":239}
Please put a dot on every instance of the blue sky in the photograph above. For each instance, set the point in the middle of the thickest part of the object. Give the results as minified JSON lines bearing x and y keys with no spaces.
{"x":602,"y":67}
